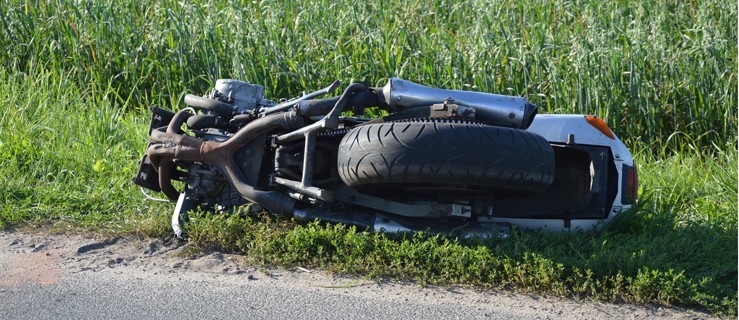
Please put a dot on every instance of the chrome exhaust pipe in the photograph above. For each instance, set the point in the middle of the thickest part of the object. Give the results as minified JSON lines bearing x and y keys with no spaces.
{"x":495,"y":109}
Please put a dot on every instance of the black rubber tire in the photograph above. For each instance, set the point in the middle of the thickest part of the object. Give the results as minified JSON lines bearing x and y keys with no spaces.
{"x":444,"y":153}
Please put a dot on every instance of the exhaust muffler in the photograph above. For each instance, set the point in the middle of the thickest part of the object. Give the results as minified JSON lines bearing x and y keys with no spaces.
{"x":495,"y":109}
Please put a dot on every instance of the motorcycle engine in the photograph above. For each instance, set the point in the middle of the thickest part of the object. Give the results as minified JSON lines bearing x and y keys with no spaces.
{"x":244,"y":96}
{"x":205,"y":184}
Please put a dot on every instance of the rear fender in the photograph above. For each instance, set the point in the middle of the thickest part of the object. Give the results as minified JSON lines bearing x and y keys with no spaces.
{"x":575,"y":129}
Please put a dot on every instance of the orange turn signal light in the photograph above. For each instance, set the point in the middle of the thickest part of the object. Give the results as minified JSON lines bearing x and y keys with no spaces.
{"x":601,"y":125}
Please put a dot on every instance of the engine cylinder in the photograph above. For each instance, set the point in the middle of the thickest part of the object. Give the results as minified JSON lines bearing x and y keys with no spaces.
{"x":244,"y":96}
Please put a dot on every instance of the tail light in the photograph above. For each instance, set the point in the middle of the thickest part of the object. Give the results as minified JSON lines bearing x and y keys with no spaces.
{"x":630,"y":186}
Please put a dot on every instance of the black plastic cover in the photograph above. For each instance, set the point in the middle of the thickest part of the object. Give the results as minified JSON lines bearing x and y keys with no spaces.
{"x":147,"y":176}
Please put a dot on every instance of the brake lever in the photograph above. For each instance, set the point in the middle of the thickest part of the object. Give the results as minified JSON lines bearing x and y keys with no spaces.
{"x":288,"y":104}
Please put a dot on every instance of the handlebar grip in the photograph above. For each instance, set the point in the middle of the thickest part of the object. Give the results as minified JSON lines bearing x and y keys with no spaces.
{"x":316,"y":107}
{"x":358,"y":101}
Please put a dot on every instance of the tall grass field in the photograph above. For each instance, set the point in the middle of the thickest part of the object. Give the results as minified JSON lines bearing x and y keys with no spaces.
{"x":77,"y":79}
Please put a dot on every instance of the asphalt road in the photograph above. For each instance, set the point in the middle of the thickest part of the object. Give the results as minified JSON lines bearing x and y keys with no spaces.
{"x":72,"y":277}
{"x":127,"y":295}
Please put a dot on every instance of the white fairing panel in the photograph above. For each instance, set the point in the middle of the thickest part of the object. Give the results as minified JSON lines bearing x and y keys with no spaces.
{"x":561,"y":129}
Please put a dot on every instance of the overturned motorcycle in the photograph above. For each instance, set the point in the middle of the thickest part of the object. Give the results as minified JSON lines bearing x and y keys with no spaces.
{"x":440,"y":160}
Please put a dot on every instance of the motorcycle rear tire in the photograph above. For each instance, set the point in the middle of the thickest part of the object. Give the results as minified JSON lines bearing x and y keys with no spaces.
{"x":445,"y":154}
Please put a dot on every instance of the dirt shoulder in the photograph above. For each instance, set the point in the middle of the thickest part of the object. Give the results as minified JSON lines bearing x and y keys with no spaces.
{"x":47,"y":260}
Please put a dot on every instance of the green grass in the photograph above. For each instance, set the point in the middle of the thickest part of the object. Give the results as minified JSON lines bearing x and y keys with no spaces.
{"x":75,"y":81}
{"x":650,"y":68}
{"x":679,"y":247}
{"x":65,"y":159}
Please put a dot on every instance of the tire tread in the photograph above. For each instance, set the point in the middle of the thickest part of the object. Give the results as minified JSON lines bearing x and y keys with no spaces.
{"x":451,"y":153}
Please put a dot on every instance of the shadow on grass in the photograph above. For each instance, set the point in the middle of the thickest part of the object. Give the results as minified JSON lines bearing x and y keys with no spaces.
{"x":640,"y":258}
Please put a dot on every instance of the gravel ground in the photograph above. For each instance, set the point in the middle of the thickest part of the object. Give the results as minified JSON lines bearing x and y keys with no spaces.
{"x":69,"y":276}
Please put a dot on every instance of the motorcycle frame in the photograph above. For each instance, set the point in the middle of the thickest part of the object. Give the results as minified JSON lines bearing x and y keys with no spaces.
{"x":406,"y":100}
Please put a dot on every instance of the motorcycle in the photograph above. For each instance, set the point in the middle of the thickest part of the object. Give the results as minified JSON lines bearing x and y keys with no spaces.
{"x":438,"y":160}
